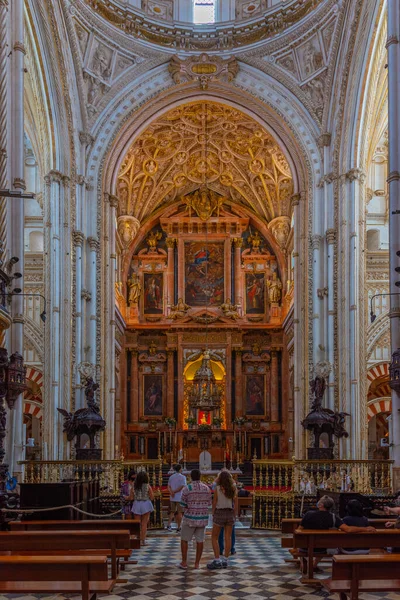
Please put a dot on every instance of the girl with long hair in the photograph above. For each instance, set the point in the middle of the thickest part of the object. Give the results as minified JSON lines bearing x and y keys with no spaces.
{"x":142,"y":496}
{"x":224,"y":510}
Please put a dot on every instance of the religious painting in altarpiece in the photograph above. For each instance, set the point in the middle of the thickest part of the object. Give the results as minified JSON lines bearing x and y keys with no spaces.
{"x":255,"y":293}
{"x":153,"y":292}
{"x":204,"y":273}
{"x":255,"y":395}
{"x":153,"y":395}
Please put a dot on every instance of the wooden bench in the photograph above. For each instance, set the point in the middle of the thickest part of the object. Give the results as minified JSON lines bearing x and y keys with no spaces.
{"x":356,"y":574}
{"x":41,"y":542}
{"x":333,"y":538}
{"x":55,"y":574}
{"x":290,"y":525}
{"x":133,"y":525}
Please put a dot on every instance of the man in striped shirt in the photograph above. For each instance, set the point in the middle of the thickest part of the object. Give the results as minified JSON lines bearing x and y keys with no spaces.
{"x":196,"y":501}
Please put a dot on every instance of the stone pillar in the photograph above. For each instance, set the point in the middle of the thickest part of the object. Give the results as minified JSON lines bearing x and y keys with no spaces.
{"x":317,"y":316}
{"x":238,"y":242}
{"x":330,"y":338}
{"x":78,"y":239}
{"x":274,"y":386}
{"x":16,"y":213}
{"x":110,"y":396}
{"x":4,"y":104}
{"x":170,"y":383}
{"x":94,"y":247}
{"x":356,"y":355}
{"x":134,"y":399}
{"x":170,"y":272}
{"x":393,"y":48}
{"x":300,"y":326}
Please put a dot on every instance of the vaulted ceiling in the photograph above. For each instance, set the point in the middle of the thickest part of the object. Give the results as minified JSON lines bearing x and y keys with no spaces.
{"x":205,"y":143}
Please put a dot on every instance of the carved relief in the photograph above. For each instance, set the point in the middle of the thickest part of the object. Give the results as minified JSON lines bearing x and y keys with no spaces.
{"x":162,"y":9}
{"x":128,"y":227}
{"x":315,"y":90}
{"x":83,"y":38}
{"x":101,"y":60}
{"x":174,"y":156}
{"x":203,"y":68}
{"x":288,"y":62}
{"x":310,"y":57}
{"x":122,"y":63}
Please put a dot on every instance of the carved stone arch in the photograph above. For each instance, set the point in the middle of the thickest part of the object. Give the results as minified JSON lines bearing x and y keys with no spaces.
{"x":378,"y":371}
{"x":379,"y":405}
{"x":380,"y":328}
{"x":34,"y":336}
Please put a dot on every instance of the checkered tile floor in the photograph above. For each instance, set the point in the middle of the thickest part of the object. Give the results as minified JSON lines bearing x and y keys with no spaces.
{"x":257,"y":571}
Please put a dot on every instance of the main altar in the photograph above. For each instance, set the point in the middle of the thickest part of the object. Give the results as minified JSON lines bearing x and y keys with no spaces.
{"x":206,"y":300}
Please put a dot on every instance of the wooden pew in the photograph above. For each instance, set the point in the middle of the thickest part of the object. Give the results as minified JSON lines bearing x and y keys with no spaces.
{"x":356,"y":574}
{"x":103,"y":541}
{"x":133,"y":525}
{"x":331,"y":538}
{"x":55,"y":574}
{"x":290,"y":525}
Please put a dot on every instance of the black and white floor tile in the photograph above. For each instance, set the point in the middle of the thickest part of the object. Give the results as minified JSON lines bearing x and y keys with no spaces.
{"x":258,"y":570}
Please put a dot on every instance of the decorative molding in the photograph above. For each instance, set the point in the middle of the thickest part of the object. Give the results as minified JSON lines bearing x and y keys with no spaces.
{"x":203,"y":68}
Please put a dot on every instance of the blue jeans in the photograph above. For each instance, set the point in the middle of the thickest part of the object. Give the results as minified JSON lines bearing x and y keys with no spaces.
{"x":221,"y":540}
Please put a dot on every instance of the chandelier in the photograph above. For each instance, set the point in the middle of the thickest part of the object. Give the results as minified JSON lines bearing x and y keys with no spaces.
{"x":205,"y":393}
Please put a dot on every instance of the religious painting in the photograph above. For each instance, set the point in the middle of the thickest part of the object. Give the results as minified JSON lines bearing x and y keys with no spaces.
{"x":152,"y":395}
{"x":255,"y":293}
{"x":255,"y":395}
{"x":204,"y":273}
{"x":204,"y":418}
{"x":153,"y":288}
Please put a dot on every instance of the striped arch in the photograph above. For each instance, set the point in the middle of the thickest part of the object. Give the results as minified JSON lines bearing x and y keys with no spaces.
{"x":378,"y":372}
{"x":33,"y":401}
{"x":378,"y":406}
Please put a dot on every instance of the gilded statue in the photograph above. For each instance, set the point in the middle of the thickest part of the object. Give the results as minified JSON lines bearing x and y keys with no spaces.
{"x":274,"y":286}
{"x":255,"y":241}
{"x":135,"y":289}
{"x":153,"y":239}
{"x":229,"y":310}
{"x":179,"y":310}
{"x":204,"y":202}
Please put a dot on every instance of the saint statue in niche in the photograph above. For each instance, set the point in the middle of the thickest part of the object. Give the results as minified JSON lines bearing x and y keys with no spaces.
{"x":274,"y":286}
{"x":135,"y":289}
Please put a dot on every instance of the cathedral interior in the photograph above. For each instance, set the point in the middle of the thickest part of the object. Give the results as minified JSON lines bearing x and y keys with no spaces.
{"x":199,"y":204}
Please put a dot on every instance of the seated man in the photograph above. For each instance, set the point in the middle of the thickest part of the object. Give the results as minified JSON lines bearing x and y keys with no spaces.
{"x":324,"y":518}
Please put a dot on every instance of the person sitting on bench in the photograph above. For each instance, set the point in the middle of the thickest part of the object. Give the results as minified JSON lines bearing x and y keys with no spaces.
{"x":355,"y":518}
{"x":324,"y":518}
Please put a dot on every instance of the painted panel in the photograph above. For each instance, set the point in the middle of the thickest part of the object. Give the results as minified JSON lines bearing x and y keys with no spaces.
{"x":255,"y":395}
{"x":255,"y":293}
{"x":204,"y":273}
{"x":152,"y":395}
{"x":153,"y":285}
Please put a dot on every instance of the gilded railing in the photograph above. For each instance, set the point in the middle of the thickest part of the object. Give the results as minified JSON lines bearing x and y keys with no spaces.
{"x":371,"y":477}
{"x":109,"y":473}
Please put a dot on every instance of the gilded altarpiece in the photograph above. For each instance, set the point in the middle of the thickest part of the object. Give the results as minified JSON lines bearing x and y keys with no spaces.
{"x":205,"y":278}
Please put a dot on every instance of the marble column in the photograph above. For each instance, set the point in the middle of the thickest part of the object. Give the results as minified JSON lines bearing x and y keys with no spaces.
{"x":94,"y":248}
{"x":16,"y":214}
{"x":239,"y":300}
{"x":78,"y":239}
{"x":393,"y":49}
{"x":300,"y":326}
{"x":170,"y":242}
{"x":4,"y":105}
{"x":274,"y":386}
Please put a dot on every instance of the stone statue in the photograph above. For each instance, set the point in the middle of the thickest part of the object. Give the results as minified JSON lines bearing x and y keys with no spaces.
{"x":179,"y":310}
{"x":274,"y":286}
{"x":135,"y":289}
{"x":204,"y":202}
{"x":229,"y":310}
